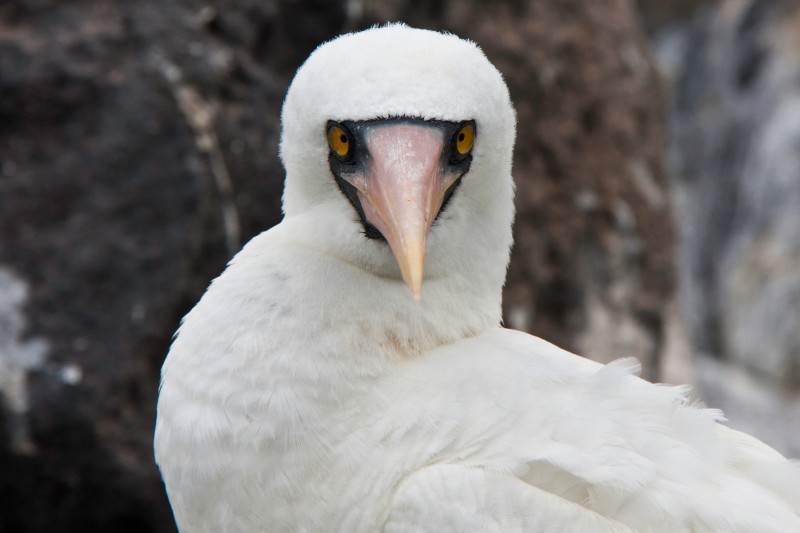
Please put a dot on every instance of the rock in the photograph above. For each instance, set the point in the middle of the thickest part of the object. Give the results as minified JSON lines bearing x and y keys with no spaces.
{"x":734,"y":154}
{"x":129,"y":133}
{"x":138,"y":151}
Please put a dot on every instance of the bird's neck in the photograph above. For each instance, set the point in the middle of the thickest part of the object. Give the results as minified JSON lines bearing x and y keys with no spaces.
{"x":352,"y":288}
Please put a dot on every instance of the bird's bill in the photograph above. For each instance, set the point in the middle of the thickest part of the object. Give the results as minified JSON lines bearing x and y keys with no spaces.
{"x":402,"y":191}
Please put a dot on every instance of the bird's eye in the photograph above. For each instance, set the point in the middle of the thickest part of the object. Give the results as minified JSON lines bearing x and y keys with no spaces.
{"x":465,"y":138}
{"x":339,"y":141}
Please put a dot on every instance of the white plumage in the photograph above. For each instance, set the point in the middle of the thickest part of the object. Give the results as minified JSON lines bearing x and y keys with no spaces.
{"x":309,"y":391}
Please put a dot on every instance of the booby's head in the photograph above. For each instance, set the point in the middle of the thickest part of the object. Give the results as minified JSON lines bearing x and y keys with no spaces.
{"x":400,"y":141}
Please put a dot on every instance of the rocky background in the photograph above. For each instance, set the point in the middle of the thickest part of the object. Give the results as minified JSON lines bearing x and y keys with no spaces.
{"x":138,"y":152}
{"x":734,"y":156}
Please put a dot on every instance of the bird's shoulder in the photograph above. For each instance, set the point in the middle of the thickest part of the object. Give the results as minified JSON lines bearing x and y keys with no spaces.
{"x":599,"y":436}
{"x":249,"y":292}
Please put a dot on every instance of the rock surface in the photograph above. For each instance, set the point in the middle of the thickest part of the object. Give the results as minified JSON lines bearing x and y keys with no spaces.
{"x":138,"y":151}
{"x":735,"y":156}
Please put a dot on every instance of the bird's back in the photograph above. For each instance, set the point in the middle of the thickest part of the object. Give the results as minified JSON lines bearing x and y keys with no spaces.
{"x":587,"y":440}
{"x":639,"y":454}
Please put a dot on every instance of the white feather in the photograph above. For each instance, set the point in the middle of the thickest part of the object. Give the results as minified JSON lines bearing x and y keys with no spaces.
{"x":307,"y":390}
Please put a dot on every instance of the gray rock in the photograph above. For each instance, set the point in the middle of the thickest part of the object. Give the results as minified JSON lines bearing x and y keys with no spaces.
{"x":735,"y":155}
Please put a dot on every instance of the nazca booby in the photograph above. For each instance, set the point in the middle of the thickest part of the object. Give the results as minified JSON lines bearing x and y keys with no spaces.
{"x":311,"y":390}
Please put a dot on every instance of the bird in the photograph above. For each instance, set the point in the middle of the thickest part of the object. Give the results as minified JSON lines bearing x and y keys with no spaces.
{"x":349,"y":370}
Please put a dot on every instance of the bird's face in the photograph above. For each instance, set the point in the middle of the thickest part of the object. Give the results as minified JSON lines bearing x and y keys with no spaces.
{"x":397,"y":144}
{"x":398,"y":175}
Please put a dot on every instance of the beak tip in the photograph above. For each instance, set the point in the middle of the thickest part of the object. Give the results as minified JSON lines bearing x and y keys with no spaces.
{"x":412,"y":265}
{"x":415,"y":285}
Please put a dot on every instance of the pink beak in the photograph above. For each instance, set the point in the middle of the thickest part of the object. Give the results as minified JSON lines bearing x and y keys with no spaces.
{"x":402,"y":191}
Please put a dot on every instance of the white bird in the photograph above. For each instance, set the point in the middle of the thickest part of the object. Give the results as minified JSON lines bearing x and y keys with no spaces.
{"x":311,"y":390}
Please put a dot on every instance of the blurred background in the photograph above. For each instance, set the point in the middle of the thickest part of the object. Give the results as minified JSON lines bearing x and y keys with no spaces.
{"x":658,"y":179}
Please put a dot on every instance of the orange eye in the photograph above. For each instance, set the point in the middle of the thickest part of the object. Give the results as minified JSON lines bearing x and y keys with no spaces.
{"x":339,"y":141}
{"x":465,"y":138}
